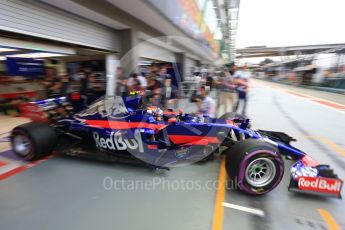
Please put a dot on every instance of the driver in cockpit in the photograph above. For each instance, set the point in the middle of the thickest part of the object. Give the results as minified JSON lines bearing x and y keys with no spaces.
{"x":155,"y":111}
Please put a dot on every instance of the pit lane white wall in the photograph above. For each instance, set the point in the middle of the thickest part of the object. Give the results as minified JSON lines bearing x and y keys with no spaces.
{"x":151,"y":51}
{"x":38,"y":19}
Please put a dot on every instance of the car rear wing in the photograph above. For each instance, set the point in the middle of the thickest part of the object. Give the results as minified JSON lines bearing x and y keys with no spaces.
{"x":44,"y":110}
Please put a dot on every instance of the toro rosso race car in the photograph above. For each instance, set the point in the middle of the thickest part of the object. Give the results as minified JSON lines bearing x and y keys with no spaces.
{"x":122,"y":129}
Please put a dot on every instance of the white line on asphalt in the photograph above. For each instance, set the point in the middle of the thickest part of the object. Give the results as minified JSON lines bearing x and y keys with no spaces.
{"x":245,"y":209}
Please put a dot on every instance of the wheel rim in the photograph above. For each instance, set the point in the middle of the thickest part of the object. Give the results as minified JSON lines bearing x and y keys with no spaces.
{"x":21,"y":145}
{"x":260,"y":172}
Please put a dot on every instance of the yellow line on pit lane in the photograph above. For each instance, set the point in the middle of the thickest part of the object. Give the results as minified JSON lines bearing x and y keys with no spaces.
{"x":327,"y":217}
{"x":218,"y":207}
{"x":330,"y":144}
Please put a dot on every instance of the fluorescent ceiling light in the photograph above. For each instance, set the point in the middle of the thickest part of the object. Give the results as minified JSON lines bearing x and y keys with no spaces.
{"x":7,"y":49}
{"x":37,"y":55}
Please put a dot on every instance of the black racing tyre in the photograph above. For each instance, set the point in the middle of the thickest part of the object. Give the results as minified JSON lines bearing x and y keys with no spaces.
{"x":34,"y":140}
{"x":255,"y":166}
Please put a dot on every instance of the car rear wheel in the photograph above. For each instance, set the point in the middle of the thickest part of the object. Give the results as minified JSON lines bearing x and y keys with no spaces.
{"x":34,"y":140}
{"x":255,"y":166}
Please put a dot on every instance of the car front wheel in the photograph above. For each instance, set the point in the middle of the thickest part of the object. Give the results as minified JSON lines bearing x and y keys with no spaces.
{"x":256,"y":166}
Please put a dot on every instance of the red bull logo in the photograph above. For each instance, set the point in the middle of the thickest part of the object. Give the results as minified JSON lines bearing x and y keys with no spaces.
{"x":323,"y":185}
{"x":117,"y":141}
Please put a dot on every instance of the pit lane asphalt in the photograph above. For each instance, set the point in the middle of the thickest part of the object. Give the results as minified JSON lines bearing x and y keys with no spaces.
{"x":274,"y":109}
{"x":69,"y":193}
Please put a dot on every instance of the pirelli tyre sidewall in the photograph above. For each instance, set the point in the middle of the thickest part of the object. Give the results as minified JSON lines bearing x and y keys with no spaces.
{"x":240,"y":159}
{"x":40,"y":140}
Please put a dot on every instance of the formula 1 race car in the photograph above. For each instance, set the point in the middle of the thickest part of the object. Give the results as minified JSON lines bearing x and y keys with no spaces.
{"x":122,"y":129}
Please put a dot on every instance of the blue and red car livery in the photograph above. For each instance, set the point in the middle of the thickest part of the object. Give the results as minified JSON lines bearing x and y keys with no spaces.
{"x":122,"y":129}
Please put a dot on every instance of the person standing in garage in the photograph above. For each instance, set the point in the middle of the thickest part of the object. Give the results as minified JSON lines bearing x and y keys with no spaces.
{"x":82,"y":78}
{"x":170,"y":93}
{"x":121,"y":82}
{"x":227,"y":92}
{"x":241,"y":79}
{"x":65,"y":84}
{"x":154,"y":90}
{"x":162,"y":75}
{"x":131,"y":83}
{"x":51,"y":82}
{"x":206,"y":105}
{"x":166,"y":81}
